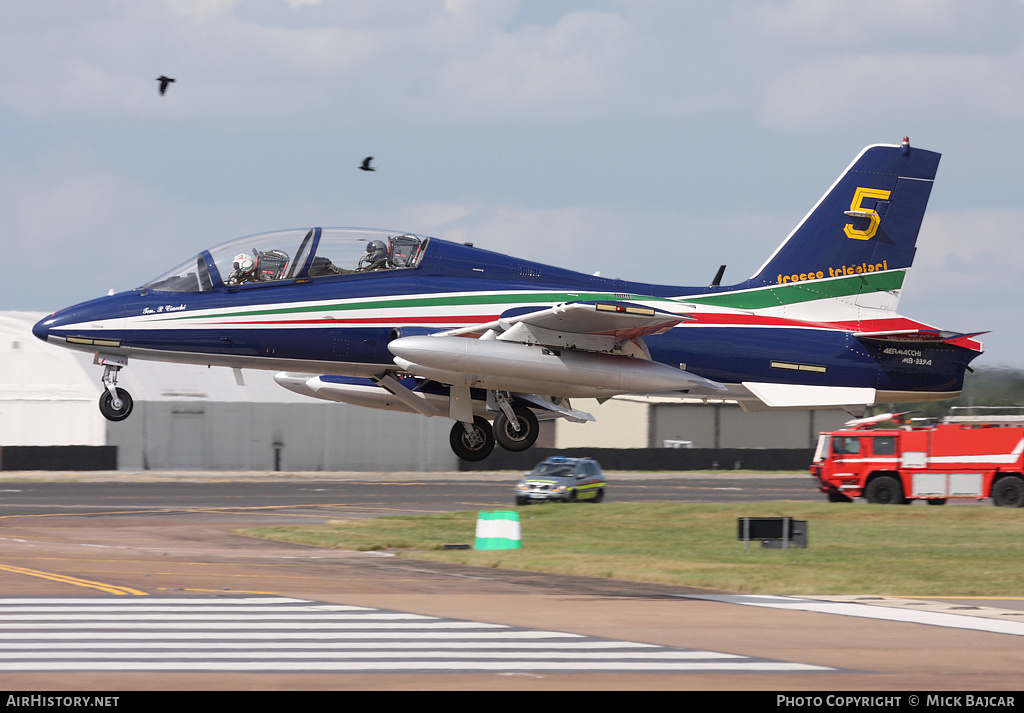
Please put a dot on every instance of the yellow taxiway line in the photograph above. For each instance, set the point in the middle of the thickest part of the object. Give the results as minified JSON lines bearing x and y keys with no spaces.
{"x":65,"y":579}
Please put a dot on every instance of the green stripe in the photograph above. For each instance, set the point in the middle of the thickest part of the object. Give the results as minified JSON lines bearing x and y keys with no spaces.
{"x":795,"y":293}
{"x":393,"y":303}
{"x":759,"y":298}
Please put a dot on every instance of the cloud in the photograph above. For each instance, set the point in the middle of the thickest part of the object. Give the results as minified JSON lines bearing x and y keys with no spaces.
{"x":457,"y":60}
{"x":569,"y":69}
{"x":843,"y":26}
{"x":846,"y":91}
{"x":966,"y":275}
{"x":973,"y":244}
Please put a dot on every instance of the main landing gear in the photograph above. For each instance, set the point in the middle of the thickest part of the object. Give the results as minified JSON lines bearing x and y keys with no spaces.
{"x":515,"y":429}
{"x":472,"y":441}
{"x":115,"y":403}
{"x":517,"y":432}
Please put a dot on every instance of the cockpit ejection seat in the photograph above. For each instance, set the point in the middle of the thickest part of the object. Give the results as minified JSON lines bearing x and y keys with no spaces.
{"x":271,"y":265}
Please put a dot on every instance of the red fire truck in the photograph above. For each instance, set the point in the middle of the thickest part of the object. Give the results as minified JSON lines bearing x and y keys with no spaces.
{"x":961,"y":457}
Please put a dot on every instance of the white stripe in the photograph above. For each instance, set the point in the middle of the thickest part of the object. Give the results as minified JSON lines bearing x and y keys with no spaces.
{"x":290,"y":636}
{"x":304,"y":617}
{"x":502,"y":529}
{"x":277,"y":625}
{"x":363,"y":655}
{"x":146,"y":601}
{"x":312,"y":640}
{"x":142,"y":607}
{"x":953,"y":621}
{"x":190,"y":645}
{"x":388,"y":666}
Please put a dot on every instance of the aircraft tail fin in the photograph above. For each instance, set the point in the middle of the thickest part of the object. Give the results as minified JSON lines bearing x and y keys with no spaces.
{"x":859,"y":240}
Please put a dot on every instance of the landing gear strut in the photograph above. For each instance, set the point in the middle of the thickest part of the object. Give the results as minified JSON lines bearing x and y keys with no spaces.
{"x":115,"y":403}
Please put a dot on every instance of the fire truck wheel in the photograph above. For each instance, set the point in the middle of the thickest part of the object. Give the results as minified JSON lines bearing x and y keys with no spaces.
{"x":1008,"y":492}
{"x":884,"y":490}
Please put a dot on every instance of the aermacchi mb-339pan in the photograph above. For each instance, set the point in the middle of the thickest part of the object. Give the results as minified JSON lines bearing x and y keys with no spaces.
{"x":400,"y":321}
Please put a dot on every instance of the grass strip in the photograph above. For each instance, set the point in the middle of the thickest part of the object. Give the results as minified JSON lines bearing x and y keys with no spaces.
{"x":852,"y":548}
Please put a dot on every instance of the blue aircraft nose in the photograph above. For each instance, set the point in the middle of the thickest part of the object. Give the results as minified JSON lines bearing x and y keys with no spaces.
{"x":93,"y":320}
{"x":42,"y":327}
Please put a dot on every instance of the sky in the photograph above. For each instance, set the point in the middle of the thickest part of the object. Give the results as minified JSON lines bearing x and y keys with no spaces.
{"x":646,"y":139}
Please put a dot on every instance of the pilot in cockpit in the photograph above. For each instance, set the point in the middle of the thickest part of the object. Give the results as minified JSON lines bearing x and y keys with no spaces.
{"x":259,"y":267}
{"x":375,"y":257}
{"x":243,"y":270}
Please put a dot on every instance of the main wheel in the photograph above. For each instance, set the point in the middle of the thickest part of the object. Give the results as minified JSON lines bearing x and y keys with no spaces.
{"x":1008,"y":492}
{"x":884,"y":490}
{"x":475,"y":445}
{"x":516,"y":439}
{"x":119,"y":412}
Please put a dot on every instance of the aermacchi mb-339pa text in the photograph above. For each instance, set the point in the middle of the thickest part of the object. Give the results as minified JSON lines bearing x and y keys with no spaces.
{"x":400,"y":321}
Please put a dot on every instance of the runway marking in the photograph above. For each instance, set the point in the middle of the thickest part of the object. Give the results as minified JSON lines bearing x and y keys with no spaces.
{"x":109,"y":588}
{"x":225,"y":510}
{"x":267,"y":634}
{"x":870,"y":611}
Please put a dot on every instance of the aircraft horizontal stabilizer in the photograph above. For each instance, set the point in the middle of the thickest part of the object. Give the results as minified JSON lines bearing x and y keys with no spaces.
{"x":916,"y":335}
{"x":924,"y":335}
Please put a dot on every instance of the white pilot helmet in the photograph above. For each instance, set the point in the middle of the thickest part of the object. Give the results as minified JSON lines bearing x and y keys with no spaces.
{"x":243,"y":264}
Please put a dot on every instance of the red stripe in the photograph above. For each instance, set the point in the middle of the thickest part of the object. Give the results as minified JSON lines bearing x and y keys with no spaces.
{"x":370,"y":320}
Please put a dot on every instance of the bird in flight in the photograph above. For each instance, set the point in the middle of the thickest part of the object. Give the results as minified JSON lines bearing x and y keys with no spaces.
{"x":164,"y":81}
{"x":366,"y":164}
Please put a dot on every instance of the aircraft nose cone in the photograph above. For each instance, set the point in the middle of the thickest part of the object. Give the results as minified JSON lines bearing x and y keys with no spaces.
{"x":42,"y":328}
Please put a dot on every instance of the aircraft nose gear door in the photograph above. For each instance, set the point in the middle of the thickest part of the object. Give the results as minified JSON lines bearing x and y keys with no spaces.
{"x":115,"y":403}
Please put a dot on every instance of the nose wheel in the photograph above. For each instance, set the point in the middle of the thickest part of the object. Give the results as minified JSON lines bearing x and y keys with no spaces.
{"x":115,"y":403}
{"x":116,"y":407}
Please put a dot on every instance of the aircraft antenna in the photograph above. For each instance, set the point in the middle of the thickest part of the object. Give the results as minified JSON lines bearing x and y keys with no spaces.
{"x":718,"y":277}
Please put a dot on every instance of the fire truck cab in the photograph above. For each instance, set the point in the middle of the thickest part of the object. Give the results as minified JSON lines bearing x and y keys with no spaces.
{"x":961,"y":457}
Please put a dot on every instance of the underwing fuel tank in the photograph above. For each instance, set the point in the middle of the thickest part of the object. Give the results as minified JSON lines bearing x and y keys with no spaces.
{"x":365,"y":393}
{"x":495,"y":364}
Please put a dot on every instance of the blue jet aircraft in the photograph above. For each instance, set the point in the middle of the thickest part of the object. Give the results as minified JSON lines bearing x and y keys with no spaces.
{"x":395,"y":320}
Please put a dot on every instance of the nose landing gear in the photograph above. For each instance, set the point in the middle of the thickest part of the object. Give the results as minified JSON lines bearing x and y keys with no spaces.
{"x":115,"y":403}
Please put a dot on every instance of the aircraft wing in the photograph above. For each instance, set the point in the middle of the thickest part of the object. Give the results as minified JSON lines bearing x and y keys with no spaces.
{"x":591,"y":326}
{"x":591,"y":347}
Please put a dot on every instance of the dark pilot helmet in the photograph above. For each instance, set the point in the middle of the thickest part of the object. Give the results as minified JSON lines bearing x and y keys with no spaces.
{"x":376,"y":250}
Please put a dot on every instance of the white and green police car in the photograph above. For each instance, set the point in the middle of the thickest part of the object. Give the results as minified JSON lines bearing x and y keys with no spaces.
{"x":567,"y":479}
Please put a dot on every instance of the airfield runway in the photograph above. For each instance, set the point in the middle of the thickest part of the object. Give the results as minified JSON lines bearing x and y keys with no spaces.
{"x":119,"y":581}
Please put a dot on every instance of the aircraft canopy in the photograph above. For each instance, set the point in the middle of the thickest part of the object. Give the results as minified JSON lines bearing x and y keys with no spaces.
{"x":293,"y":255}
